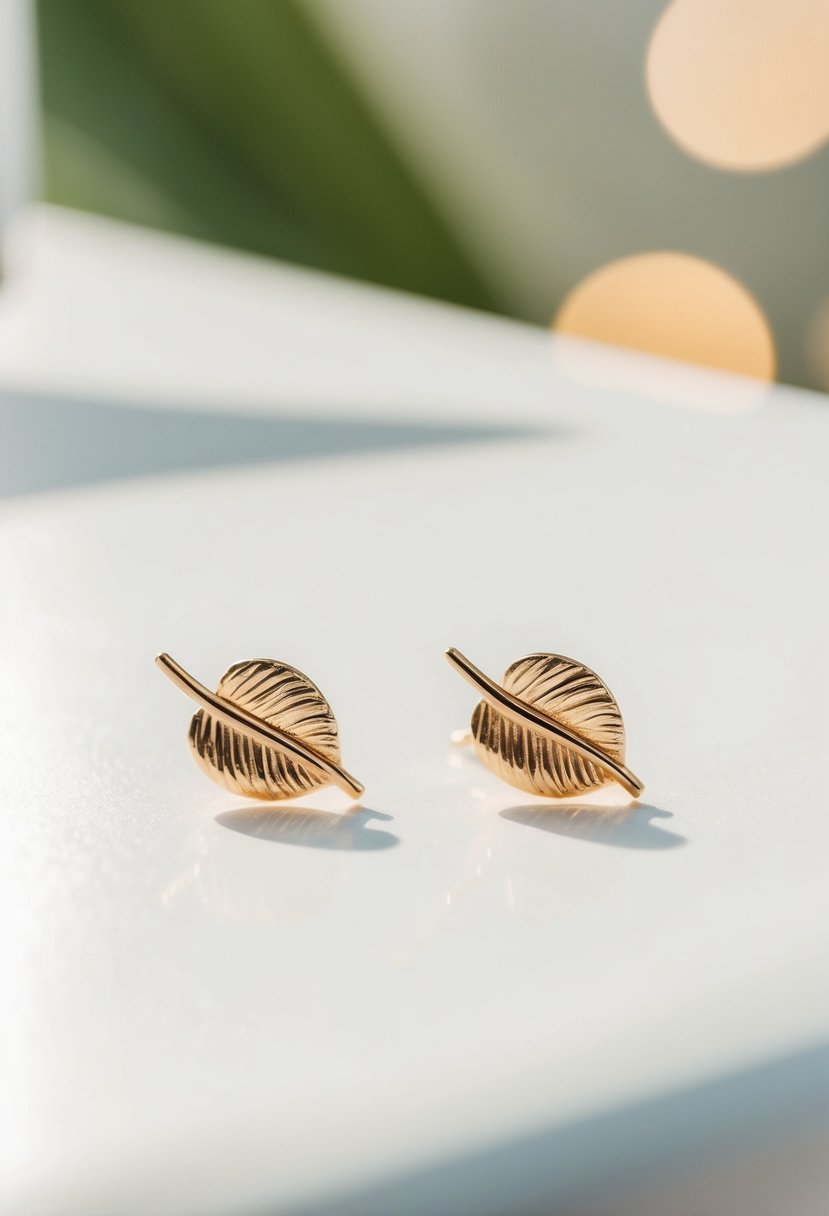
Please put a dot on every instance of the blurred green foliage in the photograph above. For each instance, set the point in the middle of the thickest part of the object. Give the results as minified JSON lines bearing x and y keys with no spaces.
{"x":231,"y":121}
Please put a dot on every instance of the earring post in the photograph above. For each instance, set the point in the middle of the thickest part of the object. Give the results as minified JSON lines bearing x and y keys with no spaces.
{"x":461,"y":738}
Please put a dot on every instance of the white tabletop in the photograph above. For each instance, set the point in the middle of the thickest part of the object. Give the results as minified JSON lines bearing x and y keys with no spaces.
{"x":455,"y":998}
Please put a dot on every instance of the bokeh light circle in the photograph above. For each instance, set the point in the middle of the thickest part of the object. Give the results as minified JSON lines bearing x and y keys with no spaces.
{"x":674,"y":305}
{"x":817,"y":345}
{"x":742,"y":84}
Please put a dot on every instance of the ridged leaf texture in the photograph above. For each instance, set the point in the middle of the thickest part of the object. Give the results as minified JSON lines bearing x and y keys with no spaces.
{"x":283,"y":697}
{"x":572,"y":695}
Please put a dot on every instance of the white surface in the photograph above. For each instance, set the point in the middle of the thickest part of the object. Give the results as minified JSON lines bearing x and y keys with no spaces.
{"x":477,"y":1003}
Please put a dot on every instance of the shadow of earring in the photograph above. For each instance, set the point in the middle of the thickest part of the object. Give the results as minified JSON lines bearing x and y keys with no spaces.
{"x":311,"y":828}
{"x":629,"y":827}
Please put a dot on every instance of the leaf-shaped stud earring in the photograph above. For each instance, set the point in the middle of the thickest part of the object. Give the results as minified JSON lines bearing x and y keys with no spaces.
{"x":551,"y":728}
{"x":267,"y":732}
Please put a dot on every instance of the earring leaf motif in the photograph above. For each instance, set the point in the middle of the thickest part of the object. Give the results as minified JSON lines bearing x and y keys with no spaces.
{"x":267,"y":732}
{"x":552,"y":728}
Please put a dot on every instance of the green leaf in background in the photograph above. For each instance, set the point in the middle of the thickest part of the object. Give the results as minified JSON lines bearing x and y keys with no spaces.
{"x":231,"y":121}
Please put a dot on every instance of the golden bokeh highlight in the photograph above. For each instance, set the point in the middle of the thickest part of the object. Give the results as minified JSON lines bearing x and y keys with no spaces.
{"x":742,"y":84}
{"x":674,"y":305}
{"x":817,"y":345}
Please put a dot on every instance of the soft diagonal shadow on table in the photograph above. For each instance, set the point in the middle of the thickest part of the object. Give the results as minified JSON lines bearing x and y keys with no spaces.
{"x":557,"y":1168}
{"x":629,"y":827}
{"x":312,"y":828}
{"x":53,"y":443}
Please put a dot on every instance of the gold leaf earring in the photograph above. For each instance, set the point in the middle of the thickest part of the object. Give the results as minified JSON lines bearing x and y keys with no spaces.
{"x":551,"y":728}
{"x":267,"y":732}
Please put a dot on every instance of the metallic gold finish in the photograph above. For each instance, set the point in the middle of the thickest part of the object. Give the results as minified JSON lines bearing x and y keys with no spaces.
{"x":267,"y":732}
{"x":553,"y":729}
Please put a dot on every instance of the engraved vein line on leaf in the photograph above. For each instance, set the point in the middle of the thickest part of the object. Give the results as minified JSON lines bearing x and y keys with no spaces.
{"x":528,"y":716}
{"x":254,"y":729}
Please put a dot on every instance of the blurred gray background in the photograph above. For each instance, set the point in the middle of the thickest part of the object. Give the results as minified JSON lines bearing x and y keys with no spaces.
{"x":497,"y":153}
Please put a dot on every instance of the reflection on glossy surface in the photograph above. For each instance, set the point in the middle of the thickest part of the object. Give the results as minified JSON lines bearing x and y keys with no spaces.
{"x":250,"y":890}
{"x":310,"y":827}
{"x":498,"y":875}
{"x":668,"y":381}
{"x":627,"y":827}
{"x":240,"y":882}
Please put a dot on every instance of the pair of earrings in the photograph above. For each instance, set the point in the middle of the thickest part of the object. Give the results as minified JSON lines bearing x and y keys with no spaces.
{"x":550,"y":728}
